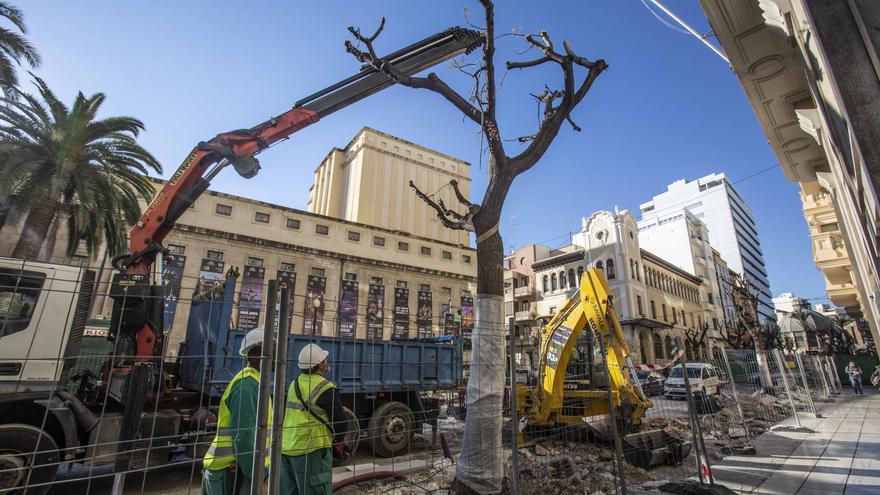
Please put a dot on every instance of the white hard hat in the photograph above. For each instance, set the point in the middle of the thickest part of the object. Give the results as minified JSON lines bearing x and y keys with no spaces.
{"x":311,"y":356}
{"x":253,"y":338}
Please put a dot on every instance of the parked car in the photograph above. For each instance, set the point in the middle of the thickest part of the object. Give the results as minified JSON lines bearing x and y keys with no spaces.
{"x":652,"y":382}
{"x":703,"y":377}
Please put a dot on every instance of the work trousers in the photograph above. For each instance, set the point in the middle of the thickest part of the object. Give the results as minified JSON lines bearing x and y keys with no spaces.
{"x":856,"y":382}
{"x":224,"y":482}
{"x":309,"y":474}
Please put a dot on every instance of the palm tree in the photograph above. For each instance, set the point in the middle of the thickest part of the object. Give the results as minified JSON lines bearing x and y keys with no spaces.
{"x":14,"y":47}
{"x":61,"y":164}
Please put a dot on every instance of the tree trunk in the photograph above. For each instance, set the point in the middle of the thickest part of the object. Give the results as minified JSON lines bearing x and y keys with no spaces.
{"x":36,"y":228}
{"x":480,"y":468}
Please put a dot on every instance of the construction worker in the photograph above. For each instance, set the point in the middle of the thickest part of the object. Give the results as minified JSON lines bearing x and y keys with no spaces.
{"x":314,"y":428}
{"x":228,"y":463}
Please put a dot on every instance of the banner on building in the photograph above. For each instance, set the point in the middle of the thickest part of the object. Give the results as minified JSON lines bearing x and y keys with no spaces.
{"x":171,"y":277}
{"x":375,"y":312}
{"x":251,"y":297}
{"x":424,"y":315}
{"x":285,"y":278}
{"x":313,"y":313}
{"x":447,"y":317}
{"x":348,"y":309}
{"x":467,"y":316}
{"x":401,"y":313}
{"x":210,"y":274}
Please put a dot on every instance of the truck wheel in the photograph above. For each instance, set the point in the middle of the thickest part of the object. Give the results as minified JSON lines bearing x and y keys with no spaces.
{"x":352,"y":435}
{"x":28,"y":456}
{"x":390,"y":428}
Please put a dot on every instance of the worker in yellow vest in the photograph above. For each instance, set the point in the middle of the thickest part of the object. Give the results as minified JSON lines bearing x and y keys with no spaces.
{"x":314,"y":428}
{"x":228,"y":464}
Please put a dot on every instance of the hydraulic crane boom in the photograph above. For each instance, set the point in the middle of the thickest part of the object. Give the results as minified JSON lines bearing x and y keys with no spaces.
{"x":137,"y":312}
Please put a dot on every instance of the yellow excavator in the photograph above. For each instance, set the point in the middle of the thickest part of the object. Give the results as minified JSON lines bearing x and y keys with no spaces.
{"x":583,"y":360}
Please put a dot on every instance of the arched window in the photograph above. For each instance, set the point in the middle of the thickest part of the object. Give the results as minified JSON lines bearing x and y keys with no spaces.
{"x":546,"y":286}
{"x":632,"y":269}
{"x":638,"y":272}
{"x":669,"y":349}
{"x":600,"y":265}
{"x":609,"y":269}
{"x":553,"y":285}
{"x":562,"y":279}
{"x":572,"y":281}
{"x":658,"y":347}
{"x":580,"y":272}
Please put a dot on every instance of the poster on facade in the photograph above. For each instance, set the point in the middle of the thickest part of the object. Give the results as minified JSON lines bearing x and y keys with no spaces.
{"x":467,"y":316}
{"x":348,"y":309}
{"x":251,"y":297}
{"x":424,"y":316}
{"x":313,"y":313}
{"x":401,"y":314}
{"x":171,"y":277}
{"x":375,"y":312}
{"x":210,"y":274}
{"x":285,"y":278}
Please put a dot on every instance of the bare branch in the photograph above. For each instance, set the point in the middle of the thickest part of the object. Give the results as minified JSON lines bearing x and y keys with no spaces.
{"x":457,"y":222}
{"x":489,"y":124}
{"x":574,"y":126}
{"x":531,"y":63}
{"x":458,"y":195}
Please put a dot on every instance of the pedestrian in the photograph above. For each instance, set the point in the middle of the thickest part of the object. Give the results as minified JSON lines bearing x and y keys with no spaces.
{"x":855,"y":377}
{"x":228,"y":464}
{"x":314,"y":428}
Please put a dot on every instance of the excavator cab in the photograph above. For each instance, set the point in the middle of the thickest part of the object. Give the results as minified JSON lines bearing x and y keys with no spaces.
{"x":584,"y":370}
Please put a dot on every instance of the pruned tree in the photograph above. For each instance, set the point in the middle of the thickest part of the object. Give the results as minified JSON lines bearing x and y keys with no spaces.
{"x":480,"y":466}
{"x":770,"y":336}
{"x":736,"y":334}
{"x":696,"y":337}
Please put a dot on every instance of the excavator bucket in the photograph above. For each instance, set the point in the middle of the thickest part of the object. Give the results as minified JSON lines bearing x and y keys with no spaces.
{"x":652,"y":448}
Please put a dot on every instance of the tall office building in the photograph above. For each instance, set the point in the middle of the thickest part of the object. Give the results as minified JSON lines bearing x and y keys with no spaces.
{"x":714,"y":201}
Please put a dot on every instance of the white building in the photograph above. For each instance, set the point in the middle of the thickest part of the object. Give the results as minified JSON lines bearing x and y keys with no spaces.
{"x":787,"y":303}
{"x":714,"y":201}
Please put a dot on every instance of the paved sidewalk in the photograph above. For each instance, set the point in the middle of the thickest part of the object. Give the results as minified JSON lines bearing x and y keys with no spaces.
{"x":841,"y":458}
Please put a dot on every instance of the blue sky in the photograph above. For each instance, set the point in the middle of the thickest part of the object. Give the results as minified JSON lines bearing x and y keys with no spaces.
{"x":667,"y":108}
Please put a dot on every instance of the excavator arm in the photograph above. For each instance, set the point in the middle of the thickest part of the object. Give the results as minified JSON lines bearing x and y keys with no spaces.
{"x":137,"y":311}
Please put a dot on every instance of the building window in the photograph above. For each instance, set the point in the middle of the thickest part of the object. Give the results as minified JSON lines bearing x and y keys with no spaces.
{"x":350,"y":276}
{"x":711,"y":298}
{"x":639,"y":305}
{"x":663,"y":306}
{"x":175,"y":249}
{"x":224,"y":210}
{"x":322,"y":229}
{"x":562,"y":280}
{"x":425,"y":251}
{"x":553,"y":283}
{"x":609,"y":269}
{"x":424,"y":287}
{"x":546,"y":283}
{"x":403,"y":246}
{"x":638,"y":273}
{"x":524,"y":306}
{"x":446,"y":291}
{"x":376,"y":280}
{"x":447,"y":255}
{"x":261,"y":217}
{"x":465,"y":293}
{"x":378,"y":241}
{"x":653,"y":310}
{"x":506,"y":264}
{"x":317,"y":272}
{"x":658,"y":346}
{"x":214,"y":255}
{"x":293,"y":223}
{"x":675,"y":318}
{"x":600,"y":265}
{"x":401,"y":284}
{"x":829,"y":227}
{"x":572,"y":281}
{"x":466,"y":258}
{"x":580,"y":272}
{"x":354,"y":236}
{"x":286,"y":267}
{"x":251,"y":261}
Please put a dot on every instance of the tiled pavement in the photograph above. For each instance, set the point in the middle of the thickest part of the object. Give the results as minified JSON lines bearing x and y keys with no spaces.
{"x":842,"y":457}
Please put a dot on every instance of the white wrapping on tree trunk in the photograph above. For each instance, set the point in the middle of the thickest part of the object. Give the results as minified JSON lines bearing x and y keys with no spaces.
{"x":480,"y":466}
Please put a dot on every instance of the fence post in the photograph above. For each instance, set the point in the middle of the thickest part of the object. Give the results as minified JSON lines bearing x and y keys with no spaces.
{"x":828,"y":369}
{"x":742,"y":417}
{"x":781,"y":365}
{"x":800,"y":364}
{"x":817,"y":364}
{"x":514,"y":448}
{"x":704,"y":470}
{"x":259,"y":464}
{"x":835,"y":374}
{"x":612,"y":416}
{"x":279,"y":405}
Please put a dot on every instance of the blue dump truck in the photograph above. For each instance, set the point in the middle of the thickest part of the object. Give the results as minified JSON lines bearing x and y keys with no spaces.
{"x":391,"y":389}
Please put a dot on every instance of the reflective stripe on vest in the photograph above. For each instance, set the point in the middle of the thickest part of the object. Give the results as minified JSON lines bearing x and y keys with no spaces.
{"x":303,"y":433}
{"x":221,"y":453}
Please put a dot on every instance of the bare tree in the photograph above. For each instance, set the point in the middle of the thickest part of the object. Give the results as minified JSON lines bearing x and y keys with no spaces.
{"x":696,"y":337}
{"x":479,"y":468}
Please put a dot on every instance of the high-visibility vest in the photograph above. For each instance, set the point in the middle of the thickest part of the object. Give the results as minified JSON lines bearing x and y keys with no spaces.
{"x":303,"y":432}
{"x":221,"y":453}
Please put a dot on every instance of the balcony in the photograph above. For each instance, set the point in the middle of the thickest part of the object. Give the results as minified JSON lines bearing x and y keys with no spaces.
{"x":526,"y":290}
{"x":829,"y":250}
{"x":522,"y":316}
{"x":814,"y":201}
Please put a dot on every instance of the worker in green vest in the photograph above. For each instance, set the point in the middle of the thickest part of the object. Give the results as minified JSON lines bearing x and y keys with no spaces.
{"x":314,"y":428}
{"x":229,"y":461}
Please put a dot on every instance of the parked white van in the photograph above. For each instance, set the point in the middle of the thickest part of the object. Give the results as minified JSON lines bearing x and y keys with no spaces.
{"x":704,"y":379}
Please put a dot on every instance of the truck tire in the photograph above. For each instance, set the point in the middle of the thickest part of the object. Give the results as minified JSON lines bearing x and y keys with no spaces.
{"x":352,"y":436}
{"x":20,"y":467}
{"x":390,"y":429}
